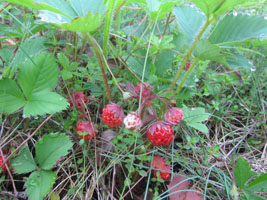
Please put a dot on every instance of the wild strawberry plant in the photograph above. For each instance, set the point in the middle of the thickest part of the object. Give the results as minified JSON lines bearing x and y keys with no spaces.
{"x":141,"y":70}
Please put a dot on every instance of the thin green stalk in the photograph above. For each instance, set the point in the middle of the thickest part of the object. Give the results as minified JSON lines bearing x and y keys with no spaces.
{"x":189,"y":53}
{"x":186,"y":75}
{"x":91,"y":41}
{"x":110,"y":8}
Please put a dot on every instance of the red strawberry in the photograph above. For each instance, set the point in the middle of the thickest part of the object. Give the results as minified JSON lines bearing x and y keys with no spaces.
{"x":88,"y":129}
{"x":160,"y":133}
{"x":78,"y":98}
{"x":187,"y":66}
{"x":2,"y":159}
{"x":174,"y":116}
{"x":159,"y":163}
{"x":112,"y":115}
{"x":132,"y":122}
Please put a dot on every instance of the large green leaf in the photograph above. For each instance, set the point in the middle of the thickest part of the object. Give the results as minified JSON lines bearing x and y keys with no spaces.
{"x":82,"y":7}
{"x":50,"y":148}
{"x":206,"y":51}
{"x":39,"y":73}
{"x":190,"y":19}
{"x":259,"y":184}
{"x":238,"y":28}
{"x":44,"y":102}
{"x":11,"y":97}
{"x":24,"y":162}
{"x":217,"y":7}
{"x":58,"y":6}
{"x":26,"y":50}
{"x":39,"y":184}
{"x":73,"y":15}
{"x":242,"y":172}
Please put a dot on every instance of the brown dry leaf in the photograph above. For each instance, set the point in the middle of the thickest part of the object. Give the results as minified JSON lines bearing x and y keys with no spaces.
{"x":189,"y":195}
{"x":183,"y":186}
{"x":193,"y":195}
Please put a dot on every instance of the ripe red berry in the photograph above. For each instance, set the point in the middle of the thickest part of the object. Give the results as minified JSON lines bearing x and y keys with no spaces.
{"x":88,"y":129}
{"x":132,"y":122}
{"x":159,"y":163}
{"x":2,"y":159}
{"x":174,"y":116}
{"x":112,"y":115}
{"x":78,"y":98}
{"x":160,"y":133}
{"x":187,"y":66}
{"x":146,"y":91}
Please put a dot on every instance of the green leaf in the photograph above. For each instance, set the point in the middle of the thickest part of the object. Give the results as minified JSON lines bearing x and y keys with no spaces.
{"x":159,"y":9}
{"x":204,"y":50}
{"x":39,"y":184}
{"x":88,"y":23}
{"x":242,"y":172}
{"x":44,"y":102}
{"x":252,"y":196}
{"x":59,"y":6}
{"x":238,"y":28}
{"x":259,"y":184}
{"x":137,"y":65}
{"x":216,"y":7}
{"x":24,"y":162}
{"x":82,"y":7}
{"x":78,"y":16}
{"x":201,"y":127}
{"x":238,"y":61}
{"x":193,"y":117}
{"x":26,"y":50}
{"x":190,"y":20}
{"x":37,"y":74}
{"x":165,"y":60}
{"x":50,"y":148}
{"x":11,"y":97}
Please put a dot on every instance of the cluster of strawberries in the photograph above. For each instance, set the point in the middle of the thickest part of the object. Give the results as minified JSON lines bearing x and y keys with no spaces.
{"x":159,"y":133}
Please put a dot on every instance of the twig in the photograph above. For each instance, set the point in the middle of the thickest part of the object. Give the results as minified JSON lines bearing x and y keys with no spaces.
{"x":248,"y":132}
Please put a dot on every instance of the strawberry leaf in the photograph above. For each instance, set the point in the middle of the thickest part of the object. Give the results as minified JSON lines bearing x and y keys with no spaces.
{"x":11,"y":97}
{"x":37,"y":74}
{"x":39,"y":184}
{"x":50,"y":148}
{"x":44,"y":102}
{"x":193,"y":118}
{"x":259,"y":184}
{"x":242,"y":172}
{"x":24,"y":162}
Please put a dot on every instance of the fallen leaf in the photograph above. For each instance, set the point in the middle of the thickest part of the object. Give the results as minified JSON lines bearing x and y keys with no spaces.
{"x":183,"y":186}
{"x":193,"y":195}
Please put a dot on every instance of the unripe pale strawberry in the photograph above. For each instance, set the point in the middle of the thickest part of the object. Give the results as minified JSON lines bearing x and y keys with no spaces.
{"x":160,"y":133}
{"x":88,"y":129}
{"x":2,"y":159}
{"x":132,"y":122}
{"x":174,"y":116}
{"x":159,"y":163}
{"x":78,"y":98}
{"x":112,"y":115}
